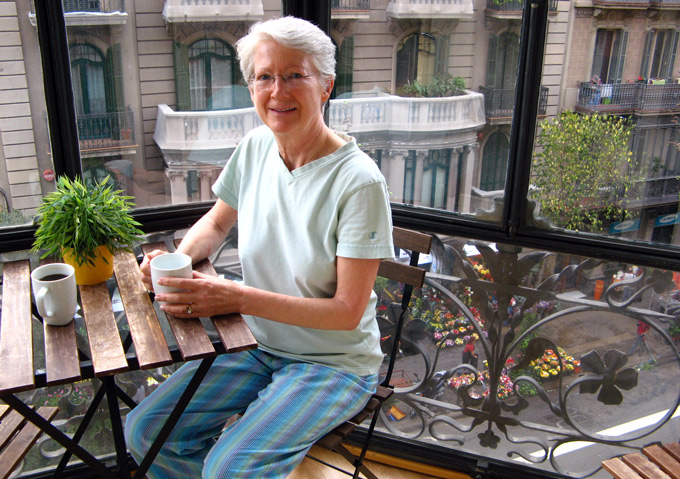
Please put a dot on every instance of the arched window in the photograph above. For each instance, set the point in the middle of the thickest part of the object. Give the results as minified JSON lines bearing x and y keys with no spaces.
{"x":420,"y":57}
{"x":494,"y":162}
{"x":211,"y":71}
{"x":87,"y":76}
{"x":207,"y":77}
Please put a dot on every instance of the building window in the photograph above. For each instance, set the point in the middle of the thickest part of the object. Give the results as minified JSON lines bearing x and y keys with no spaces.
{"x":344,"y":58}
{"x":608,"y":58}
{"x":659,"y":54}
{"x":494,"y":162}
{"x":501,"y":70}
{"x":436,"y":178}
{"x":87,"y":74}
{"x":420,"y":57}
{"x":208,"y":77}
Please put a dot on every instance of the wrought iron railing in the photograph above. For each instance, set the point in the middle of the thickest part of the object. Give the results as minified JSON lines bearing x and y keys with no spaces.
{"x":561,"y":363}
{"x":500,"y":103}
{"x":106,"y":130}
{"x":514,"y":5}
{"x":93,"y":6}
{"x":350,"y":4}
{"x":621,"y":3}
{"x":628,"y":97}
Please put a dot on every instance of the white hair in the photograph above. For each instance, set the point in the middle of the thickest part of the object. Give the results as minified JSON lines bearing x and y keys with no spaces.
{"x":293,"y":33}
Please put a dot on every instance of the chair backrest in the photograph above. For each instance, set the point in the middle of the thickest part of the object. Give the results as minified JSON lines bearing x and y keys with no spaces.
{"x":411,"y":275}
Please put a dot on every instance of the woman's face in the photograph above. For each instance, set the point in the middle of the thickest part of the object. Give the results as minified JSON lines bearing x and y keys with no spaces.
{"x":286,"y":90}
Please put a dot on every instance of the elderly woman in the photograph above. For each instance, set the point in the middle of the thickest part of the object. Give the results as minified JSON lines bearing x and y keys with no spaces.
{"x":313,"y":223}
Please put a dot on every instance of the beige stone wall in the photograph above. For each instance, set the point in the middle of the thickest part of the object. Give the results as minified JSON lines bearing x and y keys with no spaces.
{"x":19,"y":173}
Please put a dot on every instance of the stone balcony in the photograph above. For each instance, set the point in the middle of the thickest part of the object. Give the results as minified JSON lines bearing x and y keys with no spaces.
{"x":175,"y":11}
{"x":208,"y":137}
{"x":432,"y":9}
{"x":89,"y":13}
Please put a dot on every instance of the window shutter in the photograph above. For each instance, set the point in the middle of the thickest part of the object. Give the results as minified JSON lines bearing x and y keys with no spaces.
{"x":115,"y":62}
{"x":442,"y":55}
{"x":616,"y":72}
{"x":647,"y":54}
{"x":181,"y":58}
{"x":491,"y":64}
{"x":673,"y":50}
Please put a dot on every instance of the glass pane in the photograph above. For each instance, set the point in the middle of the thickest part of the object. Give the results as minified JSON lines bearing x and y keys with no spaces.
{"x":606,"y":156}
{"x":432,"y":94}
{"x":540,"y":359}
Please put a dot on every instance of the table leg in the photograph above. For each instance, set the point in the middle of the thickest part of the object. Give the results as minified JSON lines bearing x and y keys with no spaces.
{"x":183,"y":402}
{"x":47,"y":427}
{"x":116,"y":426}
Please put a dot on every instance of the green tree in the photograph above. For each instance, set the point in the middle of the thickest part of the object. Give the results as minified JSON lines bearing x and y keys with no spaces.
{"x":582,"y":171}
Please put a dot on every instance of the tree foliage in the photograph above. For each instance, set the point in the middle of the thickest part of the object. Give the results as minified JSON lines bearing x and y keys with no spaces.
{"x":582,"y":171}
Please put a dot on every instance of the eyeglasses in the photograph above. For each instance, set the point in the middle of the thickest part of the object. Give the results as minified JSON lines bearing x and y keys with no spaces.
{"x":265,"y":81}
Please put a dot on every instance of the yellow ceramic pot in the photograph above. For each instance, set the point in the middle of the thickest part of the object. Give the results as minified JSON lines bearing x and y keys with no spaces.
{"x":86,"y":274}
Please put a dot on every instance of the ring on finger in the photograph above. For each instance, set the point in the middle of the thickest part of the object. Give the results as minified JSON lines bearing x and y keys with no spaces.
{"x":190,"y":310}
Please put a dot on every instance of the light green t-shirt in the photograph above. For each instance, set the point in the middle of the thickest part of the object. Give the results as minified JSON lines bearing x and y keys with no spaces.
{"x":292,"y":225}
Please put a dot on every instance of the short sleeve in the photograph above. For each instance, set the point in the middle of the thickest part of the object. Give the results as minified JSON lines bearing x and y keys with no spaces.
{"x":365,"y":224}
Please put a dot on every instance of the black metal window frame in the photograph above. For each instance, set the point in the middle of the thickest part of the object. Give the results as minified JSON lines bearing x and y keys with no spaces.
{"x":512,"y":229}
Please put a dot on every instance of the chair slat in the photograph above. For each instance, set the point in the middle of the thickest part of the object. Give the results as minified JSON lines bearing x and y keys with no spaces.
{"x":402,"y":273}
{"x":192,"y":339}
{"x":16,"y":450}
{"x":15,"y":328}
{"x":673,"y":448}
{"x":106,"y":348}
{"x":411,"y":240}
{"x":644,"y":467}
{"x":661,"y":458}
{"x":619,"y":469}
{"x":147,"y":335}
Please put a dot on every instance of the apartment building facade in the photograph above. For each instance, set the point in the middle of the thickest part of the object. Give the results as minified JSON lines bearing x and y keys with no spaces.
{"x":161,"y":102}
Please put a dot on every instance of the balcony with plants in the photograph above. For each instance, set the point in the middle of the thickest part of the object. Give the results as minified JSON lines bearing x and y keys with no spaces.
{"x":430,"y":109}
{"x":629,"y":98}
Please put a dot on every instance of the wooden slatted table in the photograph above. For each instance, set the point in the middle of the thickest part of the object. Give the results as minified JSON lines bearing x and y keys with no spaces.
{"x":107,"y":355}
{"x":655,"y":462}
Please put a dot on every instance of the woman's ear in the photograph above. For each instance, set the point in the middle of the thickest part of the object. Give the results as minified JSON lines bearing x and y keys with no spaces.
{"x":329,"y":89}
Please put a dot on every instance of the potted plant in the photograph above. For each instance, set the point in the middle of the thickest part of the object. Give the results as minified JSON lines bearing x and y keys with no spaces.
{"x":86,"y":226}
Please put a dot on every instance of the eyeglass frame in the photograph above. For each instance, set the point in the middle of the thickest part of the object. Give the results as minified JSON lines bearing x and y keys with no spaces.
{"x":284,"y":78}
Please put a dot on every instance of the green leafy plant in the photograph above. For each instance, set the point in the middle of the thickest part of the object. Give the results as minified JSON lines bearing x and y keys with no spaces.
{"x":582,"y":171}
{"x":83,"y":219}
{"x":440,"y":86}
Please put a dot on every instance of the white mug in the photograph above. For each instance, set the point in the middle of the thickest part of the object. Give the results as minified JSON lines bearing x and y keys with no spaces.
{"x":55,"y":292}
{"x":176,"y":265}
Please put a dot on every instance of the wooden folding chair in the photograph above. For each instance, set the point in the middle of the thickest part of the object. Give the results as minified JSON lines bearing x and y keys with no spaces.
{"x":412,"y":277}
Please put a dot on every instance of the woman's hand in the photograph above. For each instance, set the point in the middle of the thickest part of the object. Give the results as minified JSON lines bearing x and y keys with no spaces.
{"x":204,"y":296}
{"x":145,"y":268}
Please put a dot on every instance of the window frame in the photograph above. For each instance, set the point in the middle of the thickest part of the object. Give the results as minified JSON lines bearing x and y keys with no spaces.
{"x":515,"y":226}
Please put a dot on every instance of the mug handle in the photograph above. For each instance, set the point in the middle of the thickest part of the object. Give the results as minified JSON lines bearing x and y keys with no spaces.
{"x":40,"y":303}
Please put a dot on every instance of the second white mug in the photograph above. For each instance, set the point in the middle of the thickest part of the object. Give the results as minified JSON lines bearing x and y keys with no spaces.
{"x":176,"y":265}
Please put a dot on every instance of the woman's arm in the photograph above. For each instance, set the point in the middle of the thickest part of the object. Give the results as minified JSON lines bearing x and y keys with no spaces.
{"x":207,"y":234}
{"x":211,"y":296}
{"x":202,"y":239}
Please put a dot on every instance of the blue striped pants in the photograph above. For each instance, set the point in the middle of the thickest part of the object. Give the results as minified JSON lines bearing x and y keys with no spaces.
{"x":286,"y":407}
